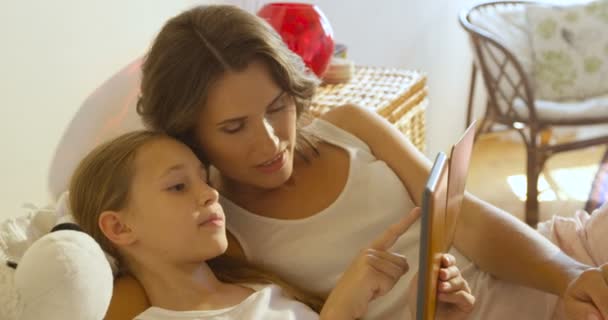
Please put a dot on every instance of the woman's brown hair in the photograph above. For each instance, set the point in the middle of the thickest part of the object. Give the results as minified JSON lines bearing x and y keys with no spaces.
{"x":194,"y":49}
{"x":102,"y":181}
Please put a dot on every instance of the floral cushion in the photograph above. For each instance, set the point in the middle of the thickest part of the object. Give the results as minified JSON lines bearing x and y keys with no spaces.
{"x":570,"y":50}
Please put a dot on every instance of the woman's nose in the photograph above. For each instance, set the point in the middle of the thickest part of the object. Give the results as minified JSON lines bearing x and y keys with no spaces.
{"x":267,"y":137}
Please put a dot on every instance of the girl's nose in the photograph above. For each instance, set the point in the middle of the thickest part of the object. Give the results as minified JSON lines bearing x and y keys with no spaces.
{"x":208,"y":195}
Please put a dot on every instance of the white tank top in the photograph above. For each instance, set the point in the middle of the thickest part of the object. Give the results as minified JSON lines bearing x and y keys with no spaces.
{"x":268,"y":303}
{"x":313,"y":252}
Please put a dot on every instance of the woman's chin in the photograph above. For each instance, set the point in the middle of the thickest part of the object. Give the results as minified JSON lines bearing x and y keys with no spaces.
{"x":275,"y":180}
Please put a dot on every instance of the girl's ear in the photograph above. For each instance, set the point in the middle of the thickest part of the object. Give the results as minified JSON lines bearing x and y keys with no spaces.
{"x":115,"y":228}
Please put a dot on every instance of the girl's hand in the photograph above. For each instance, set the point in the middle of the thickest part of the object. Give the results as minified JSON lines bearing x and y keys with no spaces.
{"x":373,"y":273}
{"x":454,"y":298}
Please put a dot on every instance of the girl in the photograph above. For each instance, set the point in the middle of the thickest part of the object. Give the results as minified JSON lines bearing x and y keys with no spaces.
{"x":145,"y":198}
{"x":222,"y":81}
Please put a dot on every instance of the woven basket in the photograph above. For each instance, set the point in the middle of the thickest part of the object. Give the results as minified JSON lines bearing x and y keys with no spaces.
{"x":398,"y":95}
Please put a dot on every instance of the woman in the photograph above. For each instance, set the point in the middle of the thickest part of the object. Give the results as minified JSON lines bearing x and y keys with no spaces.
{"x":221,"y":80}
{"x":145,"y":199}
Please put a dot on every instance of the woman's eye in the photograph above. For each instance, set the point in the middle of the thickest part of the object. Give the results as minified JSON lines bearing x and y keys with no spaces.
{"x":233,"y":128}
{"x":178,"y":187}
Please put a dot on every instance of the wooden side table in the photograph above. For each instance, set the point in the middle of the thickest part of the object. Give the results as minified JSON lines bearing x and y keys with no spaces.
{"x":399,"y":95}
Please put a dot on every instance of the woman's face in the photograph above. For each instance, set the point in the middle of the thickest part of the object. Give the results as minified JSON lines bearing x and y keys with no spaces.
{"x":174,"y":213}
{"x":247,"y":128}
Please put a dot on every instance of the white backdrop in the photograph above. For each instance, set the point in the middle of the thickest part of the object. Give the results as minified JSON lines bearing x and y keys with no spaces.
{"x":55,"y":54}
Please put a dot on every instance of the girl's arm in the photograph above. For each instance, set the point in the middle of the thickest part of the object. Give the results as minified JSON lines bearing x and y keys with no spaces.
{"x":494,"y":240}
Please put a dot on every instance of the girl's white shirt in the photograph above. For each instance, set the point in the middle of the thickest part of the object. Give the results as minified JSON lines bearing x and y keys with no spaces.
{"x":267,"y":303}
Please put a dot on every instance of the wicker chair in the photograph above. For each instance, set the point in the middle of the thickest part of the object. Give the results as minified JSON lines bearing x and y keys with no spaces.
{"x":511,"y":100}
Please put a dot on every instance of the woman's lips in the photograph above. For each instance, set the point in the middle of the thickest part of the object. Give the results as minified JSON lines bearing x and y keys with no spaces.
{"x":273,"y":164}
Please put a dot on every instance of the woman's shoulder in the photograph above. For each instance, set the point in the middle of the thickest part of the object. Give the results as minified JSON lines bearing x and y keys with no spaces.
{"x":361,"y":122}
{"x":348,"y":117}
{"x":341,"y":126}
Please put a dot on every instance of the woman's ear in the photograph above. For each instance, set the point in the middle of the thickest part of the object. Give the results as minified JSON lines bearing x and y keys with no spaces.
{"x":115,"y":228}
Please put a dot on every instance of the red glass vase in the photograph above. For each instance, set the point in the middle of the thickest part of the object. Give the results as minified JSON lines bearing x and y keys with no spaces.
{"x":305,"y":30}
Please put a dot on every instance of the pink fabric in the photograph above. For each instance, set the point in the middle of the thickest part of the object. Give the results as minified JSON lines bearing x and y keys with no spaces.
{"x":580,"y":237}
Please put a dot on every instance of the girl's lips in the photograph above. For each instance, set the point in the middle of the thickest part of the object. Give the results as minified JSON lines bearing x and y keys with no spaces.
{"x":217,"y":222}
{"x":273,"y":165}
{"x":213,"y":220}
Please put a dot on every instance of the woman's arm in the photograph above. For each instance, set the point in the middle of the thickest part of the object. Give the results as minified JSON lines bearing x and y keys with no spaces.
{"x":508,"y":248}
{"x":128,"y":299}
{"x":494,"y":240}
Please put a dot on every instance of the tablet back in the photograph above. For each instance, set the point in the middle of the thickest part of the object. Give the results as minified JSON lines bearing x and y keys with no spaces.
{"x":460,"y":158}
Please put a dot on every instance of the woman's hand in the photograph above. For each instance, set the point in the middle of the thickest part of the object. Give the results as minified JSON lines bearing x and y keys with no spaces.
{"x":587,"y":295}
{"x":454,"y":298}
{"x":373,"y":273}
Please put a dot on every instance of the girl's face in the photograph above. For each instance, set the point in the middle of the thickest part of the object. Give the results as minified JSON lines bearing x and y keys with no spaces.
{"x":172,"y":210}
{"x":247,"y":128}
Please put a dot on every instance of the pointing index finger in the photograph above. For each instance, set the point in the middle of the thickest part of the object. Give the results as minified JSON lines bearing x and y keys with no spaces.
{"x":388,"y":238}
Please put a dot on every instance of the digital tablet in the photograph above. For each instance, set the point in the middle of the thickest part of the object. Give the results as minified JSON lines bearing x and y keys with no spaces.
{"x":441,"y":205}
{"x":432,"y":237}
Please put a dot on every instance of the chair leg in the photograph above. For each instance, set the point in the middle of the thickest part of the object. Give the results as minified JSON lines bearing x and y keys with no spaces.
{"x":487,"y":122}
{"x":532,"y":174}
{"x":471,"y":94}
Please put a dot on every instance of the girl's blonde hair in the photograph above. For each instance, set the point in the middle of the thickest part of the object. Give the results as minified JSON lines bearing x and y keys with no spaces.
{"x":194,"y":49}
{"x":102,"y":182}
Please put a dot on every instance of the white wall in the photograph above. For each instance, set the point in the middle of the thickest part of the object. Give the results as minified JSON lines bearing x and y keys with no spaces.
{"x":55,"y":53}
{"x":414,"y":34}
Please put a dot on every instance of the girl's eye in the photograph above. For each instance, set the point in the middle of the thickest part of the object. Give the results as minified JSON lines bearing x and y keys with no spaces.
{"x":233,"y":128}
{"x":178,"y":187}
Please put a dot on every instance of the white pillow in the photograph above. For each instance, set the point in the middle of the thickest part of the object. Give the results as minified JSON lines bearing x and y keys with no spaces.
{"x":570,"y":50}
{"x":10,"y":301}
{"x":18,"y":234}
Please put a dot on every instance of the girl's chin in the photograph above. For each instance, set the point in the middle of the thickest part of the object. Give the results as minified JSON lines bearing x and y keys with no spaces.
{"x":221,"y":250}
